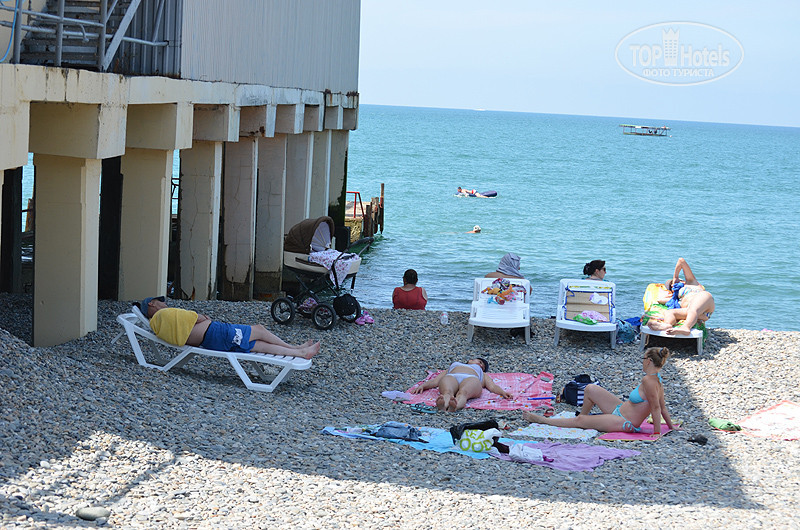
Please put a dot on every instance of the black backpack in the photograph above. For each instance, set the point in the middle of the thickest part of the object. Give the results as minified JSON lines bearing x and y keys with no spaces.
{"x":573,"y":390}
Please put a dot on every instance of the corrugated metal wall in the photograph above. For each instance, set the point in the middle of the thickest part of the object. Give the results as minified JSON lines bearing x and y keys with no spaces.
{"x":149,"y":60}
{"x":309,"y":44}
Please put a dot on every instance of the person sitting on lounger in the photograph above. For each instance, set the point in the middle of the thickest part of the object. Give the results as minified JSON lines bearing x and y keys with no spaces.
{"x":595,"y":270}
{"x":461,"y":382}
{"x":645,"y":400}
{"x":181,"y":326}
{"x":508,"y":268}
{"x":691,"y":301}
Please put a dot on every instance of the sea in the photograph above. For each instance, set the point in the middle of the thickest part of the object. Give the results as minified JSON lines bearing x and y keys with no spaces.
{"x":571,"y":189}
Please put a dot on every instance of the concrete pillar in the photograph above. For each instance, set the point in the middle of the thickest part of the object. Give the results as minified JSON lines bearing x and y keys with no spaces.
{"x":289,"y":118}
{"x":145,"y":223}
{"x":320,"y":174}
{"x":299,"y":161}
{"x":270,"y":208}
{"x":14,"y":117}
{"x":201,"y":176}
{"x":67,"y":225}
{"x":257,"y":121}
{"x":239,"y":211}
{"x":337,"y":183}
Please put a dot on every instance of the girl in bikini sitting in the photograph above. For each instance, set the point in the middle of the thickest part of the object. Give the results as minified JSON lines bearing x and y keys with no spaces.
{"x":645,"y":400}
{"x":696,"y":304}
{"x":461,"y":382}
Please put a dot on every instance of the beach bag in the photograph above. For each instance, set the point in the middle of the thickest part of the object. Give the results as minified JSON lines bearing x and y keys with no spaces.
{"x":572,"y":393}
{"x":345,"y":304}
{"x":626,"y":333}
{"x":478,"y":441}
{"x":478,"y":437}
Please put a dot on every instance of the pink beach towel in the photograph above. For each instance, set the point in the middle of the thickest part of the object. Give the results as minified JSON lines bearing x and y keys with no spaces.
{"x":521,"y":386}
{"x":779,"y":422}
{"x":647,"y":434}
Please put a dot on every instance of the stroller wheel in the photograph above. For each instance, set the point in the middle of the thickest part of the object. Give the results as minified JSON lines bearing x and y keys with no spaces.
{"x":352,"y":312}
{"x":282,"y":311}
{"x":323,"y":316}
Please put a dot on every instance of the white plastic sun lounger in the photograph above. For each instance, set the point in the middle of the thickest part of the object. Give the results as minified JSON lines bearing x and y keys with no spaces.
{"x":135,"y":325}
{"x":695,"y":334}
{"x":576,"y":296}
{"x":487,"y":314}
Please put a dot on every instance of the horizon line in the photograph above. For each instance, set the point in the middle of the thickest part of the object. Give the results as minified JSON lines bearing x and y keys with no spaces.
{"x":583,"y":115}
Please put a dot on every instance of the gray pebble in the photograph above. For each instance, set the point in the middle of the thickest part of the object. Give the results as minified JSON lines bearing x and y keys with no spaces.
{"x":82,"y":423}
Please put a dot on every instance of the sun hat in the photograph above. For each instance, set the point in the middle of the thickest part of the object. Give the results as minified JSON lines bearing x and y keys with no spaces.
{"x":476,"y":228}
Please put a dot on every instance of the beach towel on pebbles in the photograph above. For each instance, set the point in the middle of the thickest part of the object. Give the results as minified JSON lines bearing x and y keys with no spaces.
{"x":522,"y":386}
{"x":540,"y":430}
{"x":565,"y":457}
{"x":780,"y":422}
{"x":647,"y":433}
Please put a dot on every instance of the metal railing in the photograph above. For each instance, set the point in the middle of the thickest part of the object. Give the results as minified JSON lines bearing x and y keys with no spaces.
{"x":105,"y":54}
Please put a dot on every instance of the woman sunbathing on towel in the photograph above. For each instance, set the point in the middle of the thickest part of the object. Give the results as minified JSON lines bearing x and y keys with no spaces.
{"x":691,"y":300}
{"x":181,"y":326}
{"x":645,"y":400}
{"x":460,"y":383}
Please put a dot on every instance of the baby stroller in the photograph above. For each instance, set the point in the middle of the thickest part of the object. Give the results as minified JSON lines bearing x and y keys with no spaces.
{"x":321,"y":273}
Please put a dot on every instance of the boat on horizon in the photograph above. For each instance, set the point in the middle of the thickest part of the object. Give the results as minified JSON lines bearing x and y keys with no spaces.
{"x":644,"y":130}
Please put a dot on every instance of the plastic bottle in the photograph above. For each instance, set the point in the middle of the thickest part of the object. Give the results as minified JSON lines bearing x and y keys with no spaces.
{"x":444,"y":318}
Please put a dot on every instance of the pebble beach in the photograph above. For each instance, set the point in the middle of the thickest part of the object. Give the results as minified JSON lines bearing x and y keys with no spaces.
{"x":85,"y":429}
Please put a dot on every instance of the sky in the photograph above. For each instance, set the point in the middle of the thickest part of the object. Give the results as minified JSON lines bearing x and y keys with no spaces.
{"x":561,"y":57}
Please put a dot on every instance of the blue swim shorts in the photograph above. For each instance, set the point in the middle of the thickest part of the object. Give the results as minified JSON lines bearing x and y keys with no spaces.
{"x":221,"y":336}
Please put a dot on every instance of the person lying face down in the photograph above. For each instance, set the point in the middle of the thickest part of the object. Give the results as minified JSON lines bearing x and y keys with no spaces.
{"x":462,"y":381}
{"x":181,"y":327}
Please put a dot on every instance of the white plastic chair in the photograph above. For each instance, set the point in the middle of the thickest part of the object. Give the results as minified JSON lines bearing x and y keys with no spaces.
{"x":136,"y":325}
{"x":576,"y":296}
{"x":487,"y":313}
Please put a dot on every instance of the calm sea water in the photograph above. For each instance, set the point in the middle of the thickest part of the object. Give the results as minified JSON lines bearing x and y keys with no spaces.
{"x":572,"y":189}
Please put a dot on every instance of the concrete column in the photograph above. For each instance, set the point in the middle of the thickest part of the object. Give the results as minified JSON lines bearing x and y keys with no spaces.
{"x":270,"y":208}
{"x":320,"y":174}
{"x":239,"y":211}
{"x":67,"y":227}
{"x":201,"y":177}
{"x":299,"y":161}
{"x":337,"y":184}
{"x":145,"y":223}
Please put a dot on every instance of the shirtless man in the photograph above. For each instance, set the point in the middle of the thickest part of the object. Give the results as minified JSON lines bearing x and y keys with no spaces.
{"x":181,"y":326}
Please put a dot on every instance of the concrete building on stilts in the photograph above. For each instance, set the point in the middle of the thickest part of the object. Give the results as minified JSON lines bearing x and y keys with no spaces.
{"x":258,"y":98}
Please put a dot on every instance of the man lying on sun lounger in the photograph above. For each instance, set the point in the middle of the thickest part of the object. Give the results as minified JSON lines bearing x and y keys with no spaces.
{"x":181,"y":326}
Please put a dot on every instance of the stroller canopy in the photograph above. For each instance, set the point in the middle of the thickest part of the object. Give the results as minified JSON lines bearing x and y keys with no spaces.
{"x":309,"y":235}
